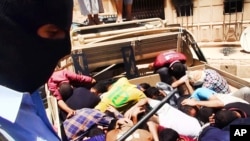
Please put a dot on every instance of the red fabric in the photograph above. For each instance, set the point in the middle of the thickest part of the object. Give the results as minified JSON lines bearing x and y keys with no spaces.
{"x":166,"y":58}
{"x":186,"y":138}
{"x":62,"y":76}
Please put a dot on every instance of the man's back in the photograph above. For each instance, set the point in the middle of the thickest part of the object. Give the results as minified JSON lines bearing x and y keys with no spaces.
{"x":122,"y":96}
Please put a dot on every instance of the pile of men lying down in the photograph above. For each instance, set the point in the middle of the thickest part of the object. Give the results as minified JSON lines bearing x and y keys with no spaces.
{"x":203,"y":108}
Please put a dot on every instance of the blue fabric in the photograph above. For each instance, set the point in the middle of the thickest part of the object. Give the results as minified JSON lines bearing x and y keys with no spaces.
{"x":202,"y":94}
{"x":31,"y":123}
{"x":211,"y":133}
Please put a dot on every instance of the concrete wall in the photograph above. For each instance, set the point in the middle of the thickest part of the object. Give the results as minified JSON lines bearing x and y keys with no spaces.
{"x":208,"y":22}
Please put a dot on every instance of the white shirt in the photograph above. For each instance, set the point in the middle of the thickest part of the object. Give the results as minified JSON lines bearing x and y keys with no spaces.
{"x":170,"y":117}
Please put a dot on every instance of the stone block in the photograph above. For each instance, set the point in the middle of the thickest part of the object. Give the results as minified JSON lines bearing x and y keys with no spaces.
{"x":243,"y":71}
{"x":232,"y":69}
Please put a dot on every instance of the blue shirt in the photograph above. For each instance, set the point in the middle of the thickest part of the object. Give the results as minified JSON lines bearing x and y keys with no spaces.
{"x":23,"y":117}
{"x":202,"y":94}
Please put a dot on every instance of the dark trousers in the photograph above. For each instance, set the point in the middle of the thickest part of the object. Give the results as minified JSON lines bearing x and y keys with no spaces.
{"x":164,"y":75}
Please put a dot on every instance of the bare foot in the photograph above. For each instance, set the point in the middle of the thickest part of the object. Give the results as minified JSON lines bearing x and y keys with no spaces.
{"x":119,"y":20}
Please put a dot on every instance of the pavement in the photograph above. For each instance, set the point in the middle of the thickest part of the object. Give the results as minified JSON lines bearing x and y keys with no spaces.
{"x":231,"y":59}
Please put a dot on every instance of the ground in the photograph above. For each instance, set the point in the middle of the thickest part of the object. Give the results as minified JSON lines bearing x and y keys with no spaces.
{"x":235,"y":62}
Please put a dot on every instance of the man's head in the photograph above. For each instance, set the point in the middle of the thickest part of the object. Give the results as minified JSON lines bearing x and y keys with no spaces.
{"x":205,"y":113}
{"x":223,"y":117}
{"x":102,"y":86}
{"x":34,"y":36}
{"x":143,"y":86}
{"x":168,"y":134}
{"x":189,"y":110}
{"x":66,"y":90}
{"x":154,"y":93}
{"x":177,"y":69}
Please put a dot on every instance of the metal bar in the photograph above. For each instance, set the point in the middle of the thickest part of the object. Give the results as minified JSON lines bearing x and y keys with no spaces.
{"x":114,"y":24}
{"x":100,"y":72}
{"x":147,"y":116}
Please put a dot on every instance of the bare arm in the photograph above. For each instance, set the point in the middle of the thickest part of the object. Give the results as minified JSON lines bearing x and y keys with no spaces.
{"x":62,"y":105}
{"x":136,"y":112}
{"x":180,"y":81}
{"x":153,"y":129}
{"x":140,"y":103}
{"x":115,"y":111}
{"x":210,"y":103}
{"x":189,"y":87}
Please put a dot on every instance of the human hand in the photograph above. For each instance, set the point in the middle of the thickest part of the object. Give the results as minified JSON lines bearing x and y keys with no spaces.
{"x":137,"y":110}
{"x":190,"y":102}
{"x":211,"y":119}
{"x":71,"y":113}
{"x":112,"y":109}
{"x":128,"y":113}
{"x":93,"y":81}
{"x":151,"y":66}
{"x":124,"y":121}
{"x":175,"y":84}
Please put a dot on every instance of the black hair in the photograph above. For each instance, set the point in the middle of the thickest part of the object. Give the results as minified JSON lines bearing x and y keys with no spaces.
{"x":180,"y":99}
{"x":223,"y":117}
{"x":186,"y":108}
{"x":204,"y":113}
{"x":151,"y":92}
{"x":168,"y":134}
{"x":145,"y":86}
{"x":65,"y":90}
{"x":100,"y":87}
{"x":94,"y":131}
{"x":110,"y":114}
{"x":112,"y":125}
{"x":178,"y":70}
{"x":154,"y":93}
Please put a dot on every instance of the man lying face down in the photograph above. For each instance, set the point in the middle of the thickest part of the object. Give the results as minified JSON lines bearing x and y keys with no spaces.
{"x":87,"y":119}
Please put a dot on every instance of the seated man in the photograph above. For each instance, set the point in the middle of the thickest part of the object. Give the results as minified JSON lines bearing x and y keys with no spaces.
{"x":169,"y":64}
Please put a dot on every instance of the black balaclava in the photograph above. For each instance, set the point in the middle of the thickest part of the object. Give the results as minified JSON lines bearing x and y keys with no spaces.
{"x":26,"y":59}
